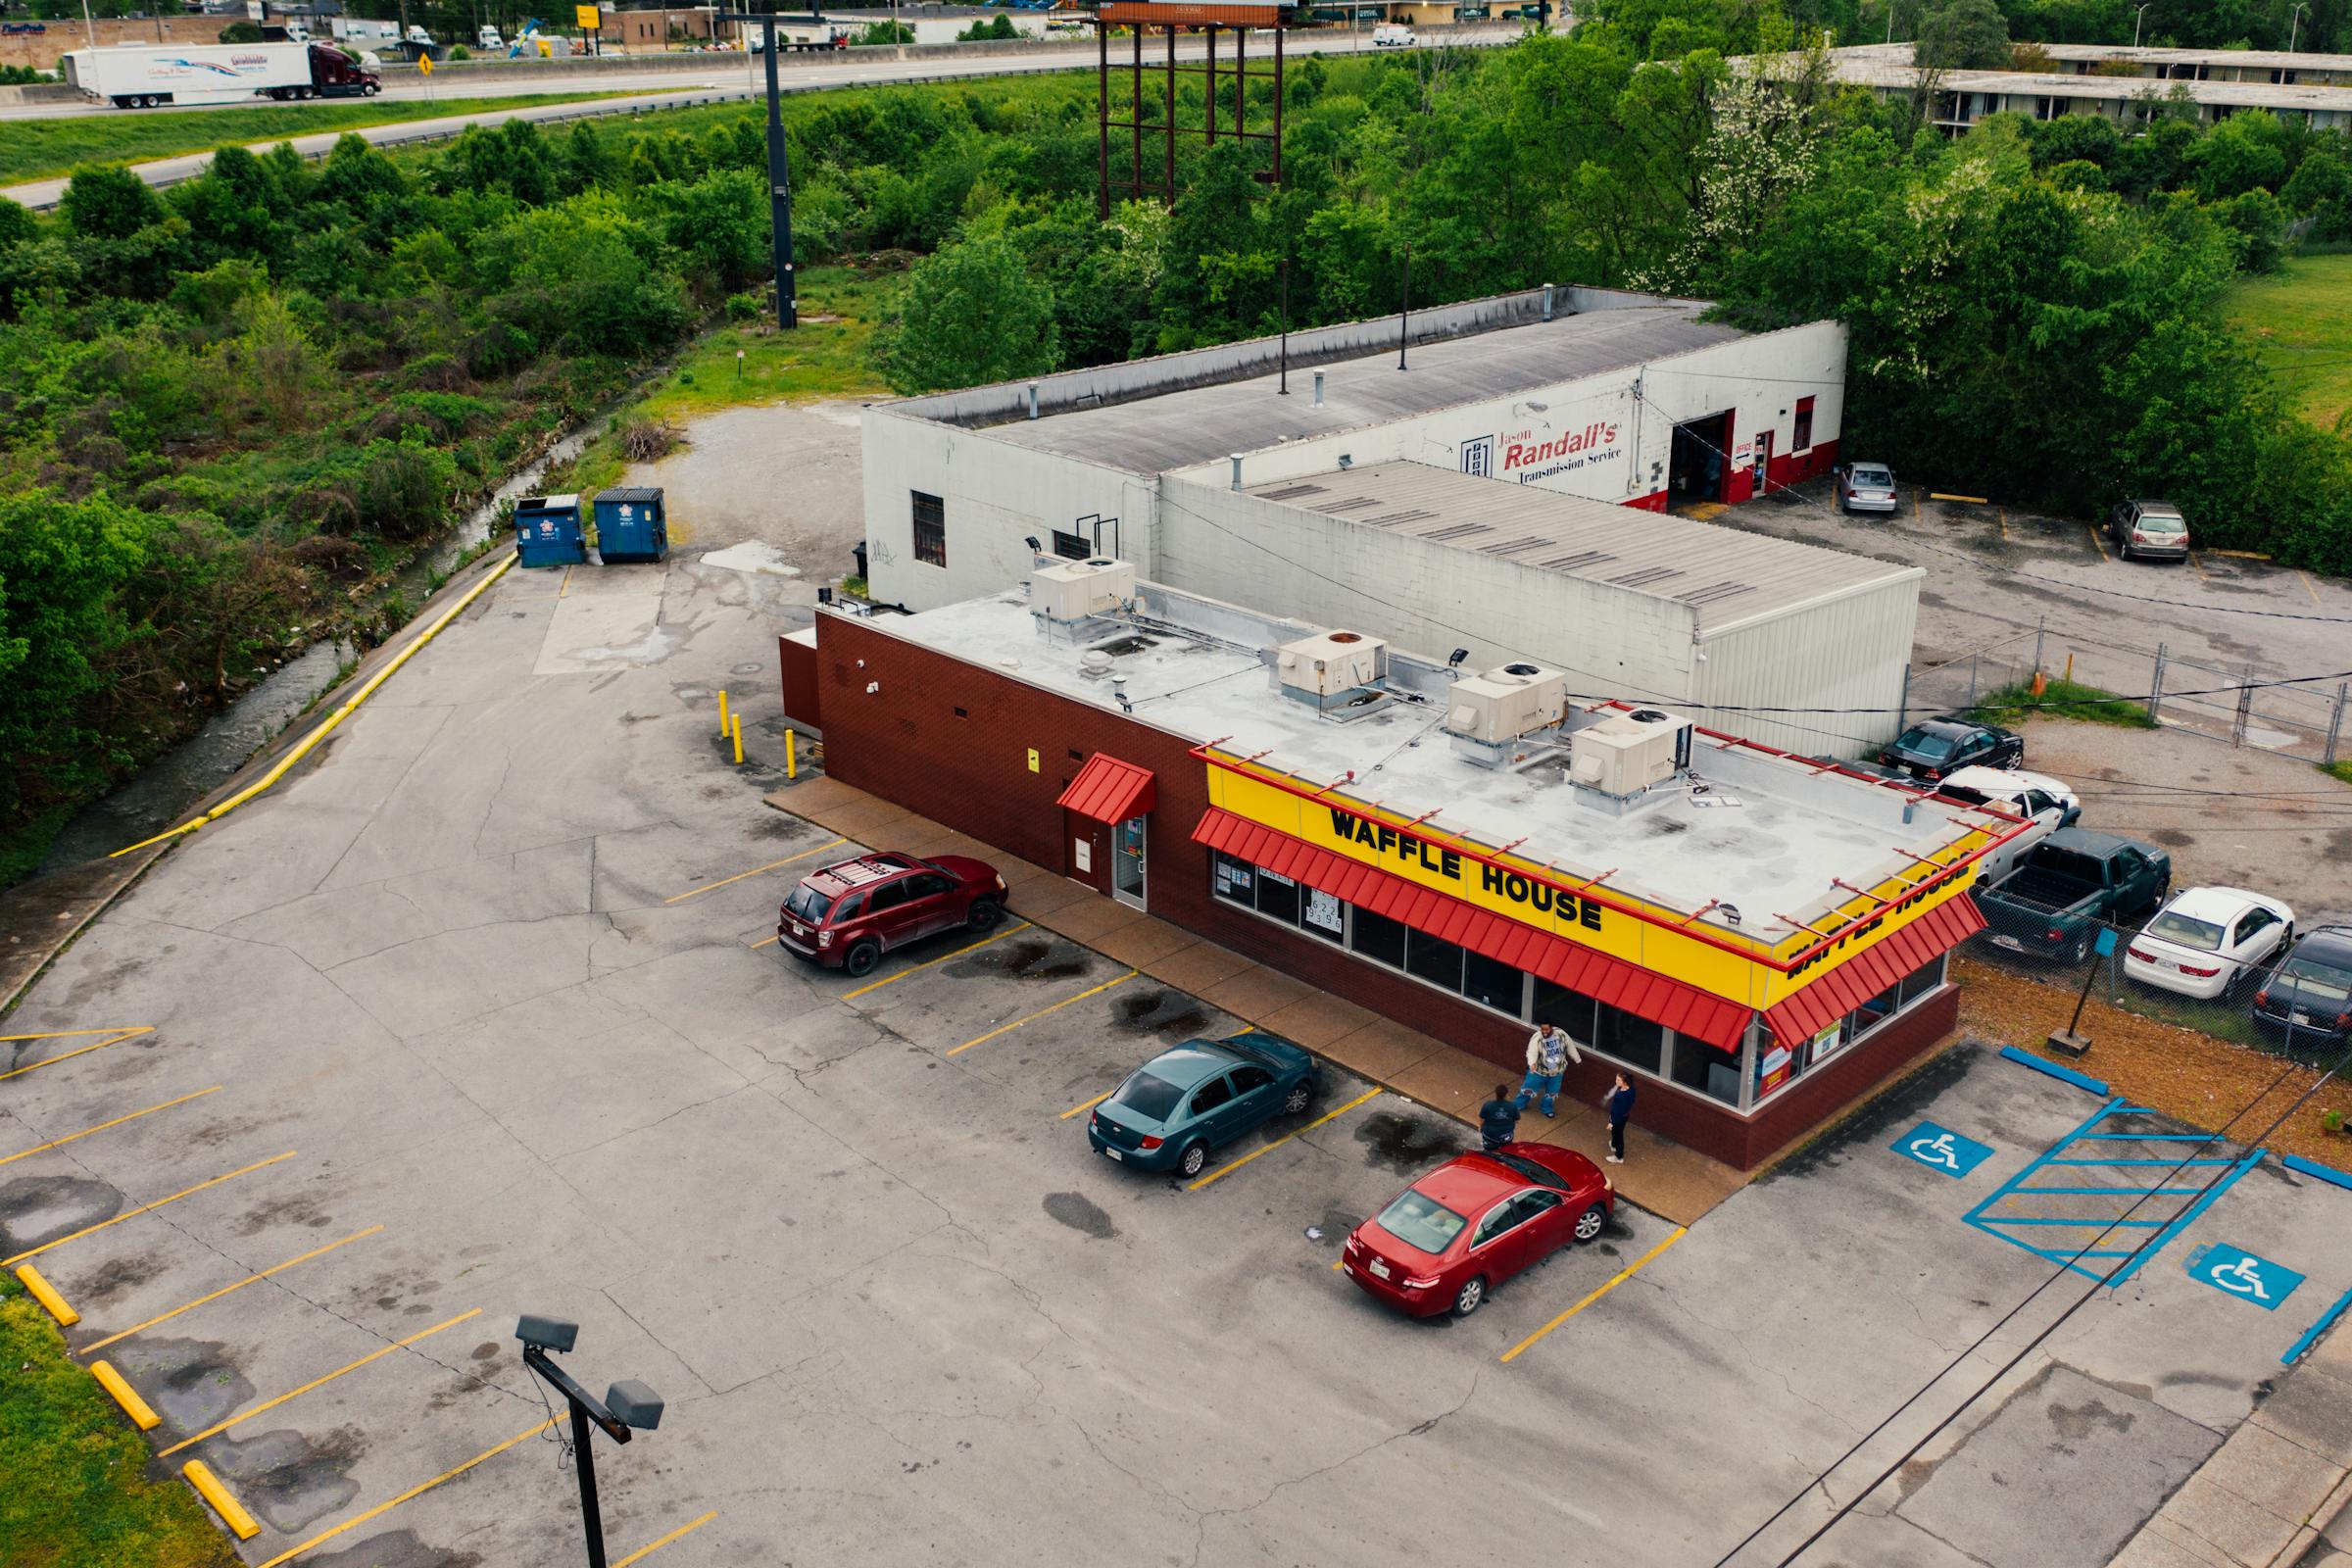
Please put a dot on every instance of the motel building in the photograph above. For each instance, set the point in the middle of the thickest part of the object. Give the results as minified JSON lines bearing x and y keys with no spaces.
{"x":1755,"y":936}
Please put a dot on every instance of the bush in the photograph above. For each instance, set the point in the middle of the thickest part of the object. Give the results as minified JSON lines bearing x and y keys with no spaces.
{"x":457,"y":51}
{"x":746,"y":306}
{"x":646,"y":439}
{"x":241,"y":33}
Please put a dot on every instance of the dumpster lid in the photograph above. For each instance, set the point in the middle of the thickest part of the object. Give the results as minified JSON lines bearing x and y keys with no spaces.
{"x":629,"y":492}
{"x":547,"y":503}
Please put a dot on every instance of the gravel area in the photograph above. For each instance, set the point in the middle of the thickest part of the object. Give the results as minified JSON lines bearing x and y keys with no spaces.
{"x":784,"y":475}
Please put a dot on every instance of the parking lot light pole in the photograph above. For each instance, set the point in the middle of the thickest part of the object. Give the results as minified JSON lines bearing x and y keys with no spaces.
{"x":626,"y":1404}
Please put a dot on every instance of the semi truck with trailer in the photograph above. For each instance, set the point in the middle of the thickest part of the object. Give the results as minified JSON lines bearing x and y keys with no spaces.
{"x":142,"y":76}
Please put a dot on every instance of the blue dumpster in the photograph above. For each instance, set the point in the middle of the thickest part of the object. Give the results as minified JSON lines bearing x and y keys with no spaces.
{"x":631,"y":525}
{"x":547,"y":531}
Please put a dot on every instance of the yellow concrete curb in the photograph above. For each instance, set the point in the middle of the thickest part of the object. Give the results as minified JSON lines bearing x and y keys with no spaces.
{"x":46,"y":1294}
{"x":233,"y":1513}
{"x":141,"y":1416}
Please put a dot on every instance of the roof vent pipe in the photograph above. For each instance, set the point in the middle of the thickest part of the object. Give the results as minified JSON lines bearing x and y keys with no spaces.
{"x":1318,"y":389}
{"x":1236,"y":470}
{"x":1033,"y":392}
{"x":1548,"y":302}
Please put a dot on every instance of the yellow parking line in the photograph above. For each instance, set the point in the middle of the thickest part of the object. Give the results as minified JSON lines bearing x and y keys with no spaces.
{"x":1915,"y":518}
{"x":1615,"y":1279}
{"x":651,"y":1546}
{"x":119,"y":1035}
{"x":250,"y":1278}
{"x":1079,"y":1110}
{"x":358,"y":1519}
{"x":59,"y":1143}
{"x":916,"y":968}
{"x":373,"y":1355}
{"x":564,"y":586}
{"x":2096,"y":542}
{"x":2307,"y":587}
{"x":1974,"y":501}
{"x":2005,"y":515}
{"x":763,"y":942}
{"x":2200,"y":566}
{"x":754,"y":872}
{"x":1229,"y":1169}
{"x":87,"y":1229}
{"x":1005,"y":1029}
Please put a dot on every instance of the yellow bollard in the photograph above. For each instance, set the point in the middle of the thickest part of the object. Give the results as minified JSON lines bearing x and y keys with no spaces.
{"x":722,"y":714}
{"x":738,"y":740}
{"x":45,"y":1292}
{"x":791,"y":765}
{"x":2070,"y":668}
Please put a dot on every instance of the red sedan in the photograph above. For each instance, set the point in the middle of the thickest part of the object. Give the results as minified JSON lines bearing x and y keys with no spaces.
{"x":1474,"y":1222}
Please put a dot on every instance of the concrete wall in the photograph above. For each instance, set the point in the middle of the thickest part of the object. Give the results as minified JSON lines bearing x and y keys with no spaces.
{"x":42,"y":50}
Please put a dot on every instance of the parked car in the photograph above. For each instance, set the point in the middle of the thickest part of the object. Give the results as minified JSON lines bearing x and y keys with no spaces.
{"x":1449,"y":1239}
{"x":1865,"y":487}
{"x":847,"y":915}
{"x":1394,"y":35}
{"x":2045,"y":803}
{"x":1176,"y":1107}
{"x":2052,"y":906}
{"x":2307,"y":998}
{"x":2153,"y":530}
{"x":1937,"y":748}
{"x":2205,"y":939}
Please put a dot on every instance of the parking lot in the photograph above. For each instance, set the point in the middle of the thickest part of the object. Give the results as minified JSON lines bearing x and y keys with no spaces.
{"x":479,"y":1013}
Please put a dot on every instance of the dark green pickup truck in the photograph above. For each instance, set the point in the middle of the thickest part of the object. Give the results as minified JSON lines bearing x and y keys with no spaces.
{"x":2052,"y":905}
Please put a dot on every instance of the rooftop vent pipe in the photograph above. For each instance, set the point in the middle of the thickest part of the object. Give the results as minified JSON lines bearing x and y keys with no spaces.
{"x":1236,"y":470}
{"x":1033,"y":400}
{"x":1318,"y":389}
{"x":1548,"y":302}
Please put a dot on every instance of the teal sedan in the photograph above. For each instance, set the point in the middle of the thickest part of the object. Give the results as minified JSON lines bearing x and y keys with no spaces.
{"x":1176,"y":1107}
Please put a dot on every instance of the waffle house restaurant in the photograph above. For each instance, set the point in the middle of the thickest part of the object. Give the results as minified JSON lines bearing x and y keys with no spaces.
{"x":1757,"y":938}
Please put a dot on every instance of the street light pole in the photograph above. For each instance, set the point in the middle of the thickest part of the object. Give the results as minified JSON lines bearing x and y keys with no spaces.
{"x":629,"y":1403}
{"x":2139,"y":14}
{"x":2294,"y":20}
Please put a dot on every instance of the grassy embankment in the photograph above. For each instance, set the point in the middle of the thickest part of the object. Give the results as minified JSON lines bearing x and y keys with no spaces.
{"x":2300,"y":320}
{"x":44,"y":149}
{"x":2012,"y":706}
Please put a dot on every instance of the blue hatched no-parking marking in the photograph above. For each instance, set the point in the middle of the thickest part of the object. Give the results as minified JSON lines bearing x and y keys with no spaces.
{"x":2024,"y":1214}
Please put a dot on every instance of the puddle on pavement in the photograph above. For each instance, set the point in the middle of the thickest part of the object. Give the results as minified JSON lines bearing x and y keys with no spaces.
{"x":1081,"y":1213}
{"x":396,"y":1548}
{"x":37,"y":1210}
{"x":291,"y":1479}
{"x":1025,"y":958}
{"x":1405,"y":1143}
{"x":1168,"y":1012}
{"x":191,"y":1383}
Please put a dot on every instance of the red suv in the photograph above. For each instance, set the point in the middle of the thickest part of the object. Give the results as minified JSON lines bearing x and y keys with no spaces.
{"x":845,"y":917}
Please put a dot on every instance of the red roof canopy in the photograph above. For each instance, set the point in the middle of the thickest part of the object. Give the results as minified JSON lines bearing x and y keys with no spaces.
{"x":1682,"y":1007}
{"x":1866,"y":974}
{"x":1109,"y":790}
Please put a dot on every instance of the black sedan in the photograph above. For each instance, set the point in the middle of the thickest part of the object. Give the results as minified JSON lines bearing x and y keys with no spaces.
{"x":1936,"y":747}
{"x":2307,"y":998}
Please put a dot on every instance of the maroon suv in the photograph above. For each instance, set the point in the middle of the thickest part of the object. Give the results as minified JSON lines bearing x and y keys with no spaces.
{"x":845,"y":917}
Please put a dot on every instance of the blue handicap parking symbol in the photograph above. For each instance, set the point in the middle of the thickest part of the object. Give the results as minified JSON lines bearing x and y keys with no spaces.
{"x":2243,"y":1275}
{"x":1942,"y":1149}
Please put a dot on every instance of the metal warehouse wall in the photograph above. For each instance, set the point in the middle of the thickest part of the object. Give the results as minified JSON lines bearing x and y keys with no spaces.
{"x":1844,"y":653}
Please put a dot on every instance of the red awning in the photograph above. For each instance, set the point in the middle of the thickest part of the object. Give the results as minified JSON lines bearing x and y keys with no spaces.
{"x":1628,"y":986}
{"x":1871,"y":971}
{"x":1109,"y":790}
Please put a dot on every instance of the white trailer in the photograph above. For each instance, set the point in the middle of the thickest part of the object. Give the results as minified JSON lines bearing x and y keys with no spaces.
{"x":141,"y":76}
{"x":360,"y":30}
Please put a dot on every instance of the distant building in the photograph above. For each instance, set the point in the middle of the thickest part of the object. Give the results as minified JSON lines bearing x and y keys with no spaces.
{"x":2299,"y":88}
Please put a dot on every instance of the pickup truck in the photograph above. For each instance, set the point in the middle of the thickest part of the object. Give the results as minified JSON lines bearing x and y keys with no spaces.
{"x":2051,"y":906}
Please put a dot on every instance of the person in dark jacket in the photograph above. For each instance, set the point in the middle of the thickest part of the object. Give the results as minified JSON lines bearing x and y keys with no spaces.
{"x":1499,"y":1118}
{"x":1620,"y":1106}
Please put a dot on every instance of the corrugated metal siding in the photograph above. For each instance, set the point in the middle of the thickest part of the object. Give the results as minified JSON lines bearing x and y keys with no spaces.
{"x":1847,"y":654}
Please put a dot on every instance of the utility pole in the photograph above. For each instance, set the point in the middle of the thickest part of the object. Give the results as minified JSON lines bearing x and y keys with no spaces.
{"x":779,"y":175}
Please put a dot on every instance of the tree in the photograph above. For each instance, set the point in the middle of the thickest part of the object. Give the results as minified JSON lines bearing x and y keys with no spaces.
{"x":1962,"y":35}
{"x":970,"y":315}
{"x":109,"y":203}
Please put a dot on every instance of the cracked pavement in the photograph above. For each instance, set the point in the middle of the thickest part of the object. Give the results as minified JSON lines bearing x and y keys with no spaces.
{"x":898,"y":1310}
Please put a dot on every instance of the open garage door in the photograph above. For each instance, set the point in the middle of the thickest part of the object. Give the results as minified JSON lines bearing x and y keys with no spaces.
{"x":1700,"y":469}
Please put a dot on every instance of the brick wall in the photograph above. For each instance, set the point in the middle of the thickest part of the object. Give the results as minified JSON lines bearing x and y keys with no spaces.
{"x":42,"y":50}
{"x":907,"y":743}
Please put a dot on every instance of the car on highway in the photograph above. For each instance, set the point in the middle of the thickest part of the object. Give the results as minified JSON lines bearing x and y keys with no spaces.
{"x":2045,"y":803}
{"x":2307,"y":998}
{"x":1444,"y":1242}
{"x":2148,"y":530}
{"x":1176,"y":1107}
{"x":849,"y":914}
{"x":2204,"y":941}
{"x":1865,"y":487}
{"x":1935,"y":747}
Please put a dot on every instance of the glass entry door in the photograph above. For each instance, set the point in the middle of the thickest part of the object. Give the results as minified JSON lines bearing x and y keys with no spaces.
{"x":1127,"y":862}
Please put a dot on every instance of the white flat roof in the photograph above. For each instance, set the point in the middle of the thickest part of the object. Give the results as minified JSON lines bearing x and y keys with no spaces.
{"x":1776,"y":834}
{"x":1726,"y":575}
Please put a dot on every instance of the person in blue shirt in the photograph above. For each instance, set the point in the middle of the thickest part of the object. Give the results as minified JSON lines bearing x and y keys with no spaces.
{"x":1499,"y":1118}
{"x":1620,"y":1106}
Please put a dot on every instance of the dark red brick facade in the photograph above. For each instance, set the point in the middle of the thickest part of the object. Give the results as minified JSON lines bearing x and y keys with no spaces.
{"x":953,"y":740}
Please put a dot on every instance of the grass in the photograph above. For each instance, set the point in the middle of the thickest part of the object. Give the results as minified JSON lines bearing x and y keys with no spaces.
{"x":79,"y":1493}
{"x":2011,"y":706}
{"x":2299,"y":321}
{"x":2343,"y":770}
{"x":42,"y":149}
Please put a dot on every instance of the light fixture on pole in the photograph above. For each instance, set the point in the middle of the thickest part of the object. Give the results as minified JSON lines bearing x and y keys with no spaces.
{"x":626,"y":1404}
{"x":2294,"y":20}
{"x":2139,"y":14}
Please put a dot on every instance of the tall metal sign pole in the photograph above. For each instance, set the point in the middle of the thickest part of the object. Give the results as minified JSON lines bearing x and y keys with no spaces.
{"x":779,"y":174}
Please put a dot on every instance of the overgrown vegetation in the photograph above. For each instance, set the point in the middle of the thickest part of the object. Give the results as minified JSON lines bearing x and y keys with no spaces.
{"x":2012,"y":706}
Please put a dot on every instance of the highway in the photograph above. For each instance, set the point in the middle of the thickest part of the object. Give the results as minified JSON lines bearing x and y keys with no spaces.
{"x":729,"y":78}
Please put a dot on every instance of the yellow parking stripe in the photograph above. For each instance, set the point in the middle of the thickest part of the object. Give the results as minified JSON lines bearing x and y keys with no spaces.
{"x":1005,"y":1029}
{"x":916,"y":968}
{"x":1079,"y":1110}
{"x":373,"y":1355}
{"x":2307,"y":587}
{"x":1227,"y":1170}
{"x":1615,"y":1279}
{"x":118,"y":1036}
{"x":651,"y":1546}
{"x":2096,"y":542}
{"x":250,"y":1278}
{"x":2200,"y":566}
{"x":358,"y":1519}
{"x":60,"y":1142}
{"x":728,"y":881}
{"x":144,"y":1209}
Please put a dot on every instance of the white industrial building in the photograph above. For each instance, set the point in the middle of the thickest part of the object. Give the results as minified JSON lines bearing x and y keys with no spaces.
{"x":1502,"y":493}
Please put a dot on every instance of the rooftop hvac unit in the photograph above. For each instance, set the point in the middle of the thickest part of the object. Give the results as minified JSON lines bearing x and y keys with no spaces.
{"x":1623,"y":755}
{"x":1331,"y":670}
{"x":1505,"y":704}
{"x":1073,"y":590}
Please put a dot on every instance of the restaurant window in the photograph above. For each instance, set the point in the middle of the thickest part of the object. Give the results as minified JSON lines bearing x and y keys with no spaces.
{"x":1874,"y":1012}
{"x":1572,"y":1011}
{"x":1711,"y":1072}
{"x":1379,"y":938}
{"x":1636,"y":1042}
{"x":1277,"y":897}
{"x":1801,"y":437}
{"x":1324,"y":916}
{"x":1233,"y":880}
{"x":1778,"y":1063}
{"x":1919,"y":982}
{"x":1434,"y":959}
{"x":930,"y":529}
{"x":1491,"y":983}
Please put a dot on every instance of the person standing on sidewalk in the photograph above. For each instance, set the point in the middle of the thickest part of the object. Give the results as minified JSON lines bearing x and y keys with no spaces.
{"x":1620,"y":1106}
{"x":1499,"y":1118}
{"x":1549,"y":1051}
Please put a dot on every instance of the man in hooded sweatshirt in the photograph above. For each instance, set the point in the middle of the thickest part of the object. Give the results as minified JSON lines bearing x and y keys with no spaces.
{"x":1549,"y":1051}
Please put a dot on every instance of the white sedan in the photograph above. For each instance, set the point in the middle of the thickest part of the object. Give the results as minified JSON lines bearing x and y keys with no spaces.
{"x":2205,"y":939}
{"x":2045,"y":803}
